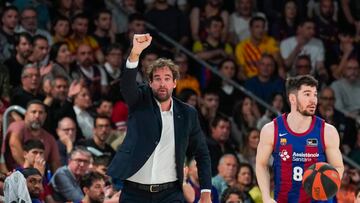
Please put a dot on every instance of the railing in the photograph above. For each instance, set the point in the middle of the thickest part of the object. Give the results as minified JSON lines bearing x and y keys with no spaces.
{"x":213,"y":69}
{"x":229,"y":81}
{"x":5,"y":124}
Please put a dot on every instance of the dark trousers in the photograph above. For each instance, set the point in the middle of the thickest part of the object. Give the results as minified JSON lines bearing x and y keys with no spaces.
{"x":134,"y":195}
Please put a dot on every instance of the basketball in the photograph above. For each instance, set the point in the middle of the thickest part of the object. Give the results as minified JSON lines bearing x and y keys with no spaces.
{"x":321,"y":181}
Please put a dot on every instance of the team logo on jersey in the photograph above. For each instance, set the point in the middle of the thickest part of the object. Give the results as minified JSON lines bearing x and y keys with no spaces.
{"x":284,"y":155}
{"x":283,"y":141}
{"x":312,"y":142}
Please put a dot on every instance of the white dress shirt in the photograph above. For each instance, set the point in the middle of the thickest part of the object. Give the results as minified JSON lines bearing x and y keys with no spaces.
{"x":85,"y":122}
{"x":160,"y":166}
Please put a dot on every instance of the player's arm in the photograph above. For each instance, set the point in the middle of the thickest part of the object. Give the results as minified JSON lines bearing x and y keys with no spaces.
{"x":263,"y":154}
{"x":332,"y":148}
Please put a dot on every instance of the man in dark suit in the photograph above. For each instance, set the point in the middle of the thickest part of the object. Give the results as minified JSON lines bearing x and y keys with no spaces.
{"x":161,"y":129}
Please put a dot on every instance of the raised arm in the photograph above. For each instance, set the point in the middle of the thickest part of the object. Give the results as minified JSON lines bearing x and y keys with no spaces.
{"x":128,"y":78}
{"x":263,"y":154}
{"x":332,"y":150}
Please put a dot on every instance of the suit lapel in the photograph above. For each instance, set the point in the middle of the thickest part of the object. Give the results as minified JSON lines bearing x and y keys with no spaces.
{"x":158,"y":118}
{"x":178,"y":128}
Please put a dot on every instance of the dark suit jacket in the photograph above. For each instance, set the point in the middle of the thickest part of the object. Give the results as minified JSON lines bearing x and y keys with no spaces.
{"x":144,"y":130}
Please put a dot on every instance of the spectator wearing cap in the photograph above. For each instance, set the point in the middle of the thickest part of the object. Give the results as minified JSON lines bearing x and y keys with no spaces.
{"x":119,"y":117}
{"x":66,"y":179}
{"x":101,"y":132}
{"x":30,"y":128}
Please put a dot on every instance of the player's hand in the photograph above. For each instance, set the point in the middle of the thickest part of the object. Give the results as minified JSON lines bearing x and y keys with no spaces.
{"x":140,"y":42}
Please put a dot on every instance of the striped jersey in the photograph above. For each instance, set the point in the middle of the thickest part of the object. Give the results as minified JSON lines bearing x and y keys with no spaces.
{"x":293,"y":154}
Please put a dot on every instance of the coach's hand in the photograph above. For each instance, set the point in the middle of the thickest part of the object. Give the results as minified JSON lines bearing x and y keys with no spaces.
{"x":205,"y":197}
{"x":140,"y":42}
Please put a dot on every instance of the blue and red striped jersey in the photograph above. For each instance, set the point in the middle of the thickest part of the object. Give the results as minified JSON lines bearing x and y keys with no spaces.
{"x":293,"y":154}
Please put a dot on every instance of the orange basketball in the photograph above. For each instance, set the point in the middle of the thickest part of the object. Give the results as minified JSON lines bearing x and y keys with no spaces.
{"x":321,"y":181}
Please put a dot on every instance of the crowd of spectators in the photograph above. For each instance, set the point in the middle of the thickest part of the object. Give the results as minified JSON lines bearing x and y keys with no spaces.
{"x":61,"y":60}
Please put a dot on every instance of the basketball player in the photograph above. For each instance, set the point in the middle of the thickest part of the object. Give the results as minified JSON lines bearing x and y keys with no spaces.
{"x":296,"y":140}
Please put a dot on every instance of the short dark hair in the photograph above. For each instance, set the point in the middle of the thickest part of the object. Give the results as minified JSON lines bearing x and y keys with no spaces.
{"x":210,"y":91}
{"x":304,"y":57}
{"x":8,"y":8}
{"x":18,"y":36}
{"x":29,"y":8}
{"x":54,"y":51}
{"x":79,"y":16}
{"x":213,"y":19}
{"x":294,"y":83}
{"x":35,"y":101}
{"x":255,"y":19}
{"x":101,"y":11}
{"x":38,"y":37}
{"x":101,"y":117}
{"x":218,"y":118}
{"x":220,"y":66}
{"x":246,"y":165}
{"x":103,"y":160}
{"x":229,"y":191}
{"x":58,"y":19}
{"x":185,"y":94}
{"x":30,"y":171}
{"x":136,"y":16}
{"x":113,"y":46}
{"x":88,"y":179}
{"x":306,"y":20}
{"x":33,"y":144}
